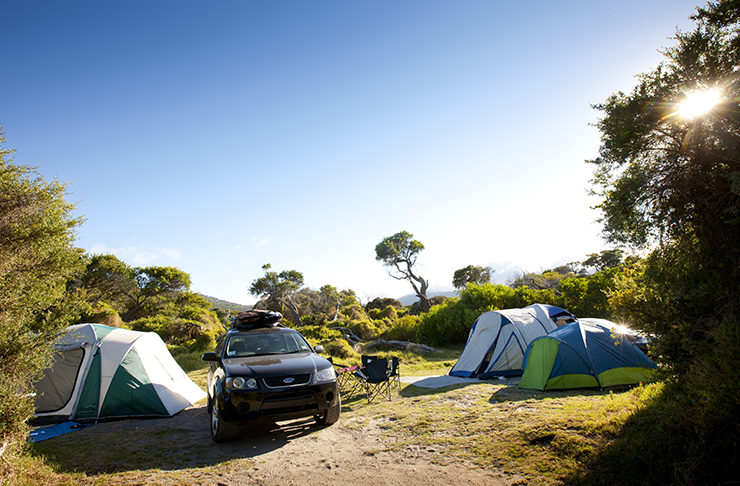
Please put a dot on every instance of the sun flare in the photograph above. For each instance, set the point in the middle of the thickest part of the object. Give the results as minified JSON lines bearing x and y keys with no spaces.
{"x":698,"y":103}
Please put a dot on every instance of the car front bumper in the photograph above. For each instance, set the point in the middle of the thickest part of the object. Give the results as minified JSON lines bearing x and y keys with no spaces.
{"x":278,"y":404}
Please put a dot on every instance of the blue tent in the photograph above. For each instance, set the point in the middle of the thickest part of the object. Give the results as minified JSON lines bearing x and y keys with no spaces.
{"x":585,"y":354}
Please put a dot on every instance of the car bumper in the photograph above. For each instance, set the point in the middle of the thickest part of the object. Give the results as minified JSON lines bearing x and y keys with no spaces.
{"x":278,"y":404}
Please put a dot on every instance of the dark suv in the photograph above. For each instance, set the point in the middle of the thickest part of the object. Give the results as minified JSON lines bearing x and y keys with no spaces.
{"x":268,"y":372}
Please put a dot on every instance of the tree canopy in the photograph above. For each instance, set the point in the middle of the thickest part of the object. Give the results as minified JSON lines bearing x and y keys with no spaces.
{"x":278,"y":288}
{"x":471,"y":274}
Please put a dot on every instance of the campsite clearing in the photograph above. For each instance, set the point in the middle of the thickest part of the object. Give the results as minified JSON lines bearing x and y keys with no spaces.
{"x":461,"y":433}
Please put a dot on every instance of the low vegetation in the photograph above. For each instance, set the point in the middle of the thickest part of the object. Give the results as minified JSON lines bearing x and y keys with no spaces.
{"x":547,"y":438}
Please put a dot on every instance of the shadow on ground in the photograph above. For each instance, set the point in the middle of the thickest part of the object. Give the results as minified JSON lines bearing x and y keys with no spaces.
{"x":182,"y":441}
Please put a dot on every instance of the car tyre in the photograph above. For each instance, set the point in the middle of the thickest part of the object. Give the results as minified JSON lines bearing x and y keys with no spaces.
{"x":330,"y":416}
{"x":221,"y":430}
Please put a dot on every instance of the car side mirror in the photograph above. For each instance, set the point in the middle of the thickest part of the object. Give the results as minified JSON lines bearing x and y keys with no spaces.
{"x":319,"y":349}
{"x":209,"y":357}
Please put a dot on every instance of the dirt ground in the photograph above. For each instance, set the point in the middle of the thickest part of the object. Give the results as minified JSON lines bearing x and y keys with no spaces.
{"x":295,"y":452}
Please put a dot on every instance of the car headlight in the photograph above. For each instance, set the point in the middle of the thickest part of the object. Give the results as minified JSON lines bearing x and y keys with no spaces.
{"x":240,"y":383}
{"x":327,"y":374}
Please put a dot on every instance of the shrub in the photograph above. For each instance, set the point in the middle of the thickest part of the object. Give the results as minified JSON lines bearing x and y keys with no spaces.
{"x":339,"y":348}
{"x":407,"y":328}
{"x":103,"y":313}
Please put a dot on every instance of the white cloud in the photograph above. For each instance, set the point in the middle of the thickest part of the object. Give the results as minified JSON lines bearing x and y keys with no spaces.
{"x":258,"y":242}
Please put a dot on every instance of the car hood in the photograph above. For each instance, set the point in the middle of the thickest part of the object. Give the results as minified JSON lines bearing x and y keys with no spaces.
{"x":275,"y":365}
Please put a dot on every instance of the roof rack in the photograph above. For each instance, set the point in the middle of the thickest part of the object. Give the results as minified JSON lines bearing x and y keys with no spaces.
{"x":256,"y":318}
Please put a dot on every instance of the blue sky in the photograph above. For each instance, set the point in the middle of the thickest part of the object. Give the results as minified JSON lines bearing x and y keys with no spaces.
{"x":217,"y":137}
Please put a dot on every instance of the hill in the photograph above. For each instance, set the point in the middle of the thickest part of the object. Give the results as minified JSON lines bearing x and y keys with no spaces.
{"x":225,"y":305}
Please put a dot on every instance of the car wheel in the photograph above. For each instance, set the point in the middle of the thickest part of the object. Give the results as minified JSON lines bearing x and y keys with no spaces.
{"x":330,"y":416}
{"x":221,"y":431}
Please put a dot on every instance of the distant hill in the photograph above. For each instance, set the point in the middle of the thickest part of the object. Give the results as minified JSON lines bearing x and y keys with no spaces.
{"x":225,"y":305}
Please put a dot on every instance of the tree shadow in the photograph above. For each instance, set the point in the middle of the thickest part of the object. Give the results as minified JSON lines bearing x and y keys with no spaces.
{"x":181,"y":441}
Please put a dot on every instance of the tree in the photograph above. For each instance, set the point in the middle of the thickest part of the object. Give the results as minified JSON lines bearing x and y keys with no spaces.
{"x":547,"y":280}
{"x":670,"y":183}
{"x":471,"y":274}
{"x":399,"y":253}
{"x":670,"y":179}
{"x":603,"y":260}
{"x":154,"y":283}
{"x":106,"y":278}
{"x":37,"y":257}
{"x":278,"y":288}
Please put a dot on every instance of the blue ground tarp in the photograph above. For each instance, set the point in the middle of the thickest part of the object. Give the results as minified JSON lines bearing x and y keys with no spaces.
{"x":43,"y":433}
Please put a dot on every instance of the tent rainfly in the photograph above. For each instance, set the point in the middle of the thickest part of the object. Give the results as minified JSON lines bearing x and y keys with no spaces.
{"x":498,"y":339}
{"x":104,"y":372}
{"x":585,"y":354}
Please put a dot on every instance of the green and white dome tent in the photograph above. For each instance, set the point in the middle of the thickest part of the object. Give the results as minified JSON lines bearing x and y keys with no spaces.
{"x":104,"y":372}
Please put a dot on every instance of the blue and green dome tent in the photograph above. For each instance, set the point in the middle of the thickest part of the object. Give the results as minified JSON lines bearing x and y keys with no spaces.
{"x":585,"y":354}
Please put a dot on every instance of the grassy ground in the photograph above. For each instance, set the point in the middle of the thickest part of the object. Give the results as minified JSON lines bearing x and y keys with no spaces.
{"x":548,"y":438}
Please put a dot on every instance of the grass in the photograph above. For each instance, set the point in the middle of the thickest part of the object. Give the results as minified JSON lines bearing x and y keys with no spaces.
{"x":547,"y":438}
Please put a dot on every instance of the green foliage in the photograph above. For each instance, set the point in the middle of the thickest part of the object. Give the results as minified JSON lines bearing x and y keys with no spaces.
{"x":471,"y":274}
{"x":451,"y":321}
{"x":387,"y":313}
{"x":103,"y":313}
{"x":589,"y":296}
{"x":383,"y":302}
{"x":406,"y":328}
{"x":320,"y":333}
{"x":670,"y":182}
{"x":340,"y":349}
{"x":37,"y":257}
{"x":603,"y":260}
{"x":277,"y":288}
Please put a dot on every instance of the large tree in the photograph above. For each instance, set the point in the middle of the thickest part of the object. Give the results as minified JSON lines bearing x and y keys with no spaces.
{"x":671,"y":178}
{"x":278,"y":288}
{"x":399,"y":253}
{"x":37,"y":258}
{"x":669,"y":175}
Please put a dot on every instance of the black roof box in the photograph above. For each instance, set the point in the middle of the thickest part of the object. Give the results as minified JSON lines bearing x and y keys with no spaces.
{"x":256,"y":318}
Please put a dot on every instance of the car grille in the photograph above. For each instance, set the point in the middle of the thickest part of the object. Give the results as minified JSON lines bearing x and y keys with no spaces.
{"x":279,"y":381}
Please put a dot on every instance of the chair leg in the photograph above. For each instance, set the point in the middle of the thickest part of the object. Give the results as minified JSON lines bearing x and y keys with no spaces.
{"x":382,"y":388}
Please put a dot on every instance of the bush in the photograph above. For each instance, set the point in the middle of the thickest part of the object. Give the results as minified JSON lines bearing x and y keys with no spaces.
{"x":407,"y":328}
{"x":37,"y":257}
{"x":320,"y":333}
{"x":103,"y":313}
{"x":339,"y":348}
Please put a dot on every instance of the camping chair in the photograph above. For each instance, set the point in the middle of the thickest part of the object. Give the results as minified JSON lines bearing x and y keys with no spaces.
{"x":366,"y":358}
{"x":393,"y":374}
{"x":375,"y":379}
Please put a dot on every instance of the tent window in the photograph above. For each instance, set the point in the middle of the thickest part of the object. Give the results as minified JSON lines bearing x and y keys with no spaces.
{"x":55,"y":389}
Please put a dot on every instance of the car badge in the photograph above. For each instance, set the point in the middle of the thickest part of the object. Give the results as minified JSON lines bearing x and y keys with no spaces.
{"x":288,"y":381}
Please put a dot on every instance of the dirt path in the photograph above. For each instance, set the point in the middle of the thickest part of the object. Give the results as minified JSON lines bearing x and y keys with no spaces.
{"x":297,"y":452}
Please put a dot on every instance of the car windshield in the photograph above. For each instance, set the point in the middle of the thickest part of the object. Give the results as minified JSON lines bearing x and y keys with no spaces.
{"x":262,"y":343}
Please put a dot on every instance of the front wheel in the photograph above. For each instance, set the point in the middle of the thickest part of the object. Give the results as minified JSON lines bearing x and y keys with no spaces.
{"x":330,"y":416}
{"x":221,"y":431}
